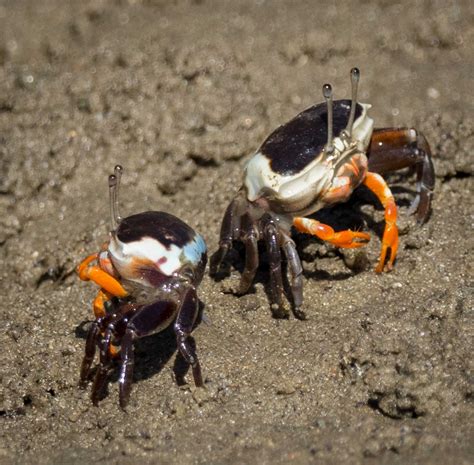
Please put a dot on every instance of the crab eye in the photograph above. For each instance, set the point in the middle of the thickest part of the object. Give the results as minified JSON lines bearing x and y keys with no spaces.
{"x":327,"y":92}
{"x":114,"y":185}
{"x":355,"y":76}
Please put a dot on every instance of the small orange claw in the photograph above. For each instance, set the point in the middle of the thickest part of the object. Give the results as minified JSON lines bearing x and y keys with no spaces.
{"x":377,"y":185}
{"x":99,"y":301}
{"x":82,"y":267}
{"x":100,"y":277}
{"x":347,"y":239}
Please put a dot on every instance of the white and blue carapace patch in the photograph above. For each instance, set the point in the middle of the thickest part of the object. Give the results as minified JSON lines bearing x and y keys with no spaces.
{"x":151,"y":242}
{"x":167,"y":259}
{"x":193,"y":251}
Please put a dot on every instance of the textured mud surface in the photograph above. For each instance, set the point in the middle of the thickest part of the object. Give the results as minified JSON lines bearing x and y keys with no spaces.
{"x":180,"y":93}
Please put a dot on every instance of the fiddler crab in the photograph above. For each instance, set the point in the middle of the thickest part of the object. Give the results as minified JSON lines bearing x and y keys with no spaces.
{"x":315,"y":160}
{"x":148,"y":273}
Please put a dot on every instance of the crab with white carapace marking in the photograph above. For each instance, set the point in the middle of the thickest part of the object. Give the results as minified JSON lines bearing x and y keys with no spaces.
{"x":148,"y":273}
{"x":315,"y":160}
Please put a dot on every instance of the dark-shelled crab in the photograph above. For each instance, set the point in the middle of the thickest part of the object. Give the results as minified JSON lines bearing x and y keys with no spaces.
{"x":315,"y":160}
{"x":148,"y":273}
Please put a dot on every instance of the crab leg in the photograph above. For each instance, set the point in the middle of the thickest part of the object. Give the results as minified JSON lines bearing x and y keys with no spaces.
{"x":250,"y":239}
{"x":104,"y":362}
{"x":347,"y":239}
{"x":100,"y":277}
{"x":126,"y":370}
{"x":92,"y":336}
{"x":396,"y":148}
{"x":378,"y":186}
{"x":271,"y":236}
{"x":296,"y":271}
{"x":229,"y":231}
{"x":183,"y":326}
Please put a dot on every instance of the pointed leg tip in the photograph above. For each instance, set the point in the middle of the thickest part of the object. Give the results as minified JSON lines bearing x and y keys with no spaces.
{"x":242,"y":290}
{"x":300,"y":314}
{"x":422,"y":217}
{"x":82,"y":384}
{"x":279,"y":312}
{"x":381,"y":267}
{"x":198,"y":381}
{"x":123,"y":404}
{"x":214,"y":267}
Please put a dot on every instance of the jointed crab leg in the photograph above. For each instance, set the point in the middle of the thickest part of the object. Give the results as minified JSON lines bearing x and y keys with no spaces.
{"x":296,"y":272}
{"x":104,"y":363}
{"x":250,"y":239}
{"x":126,"y":370}
{"x":347,"y":239}
{"x":92,"y":336}
{"x":272,"y":241}
{"x":183,"y":327}
{"x":379,"y":187}
{"x":229,"y":231}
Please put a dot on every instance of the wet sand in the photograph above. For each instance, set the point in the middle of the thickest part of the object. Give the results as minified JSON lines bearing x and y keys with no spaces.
{"x":181,"y":93}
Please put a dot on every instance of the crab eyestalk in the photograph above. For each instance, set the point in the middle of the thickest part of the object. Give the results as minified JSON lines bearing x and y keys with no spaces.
{"x":355,"y":76}
{"x":327,"y":92}
{"x":114,"y":185}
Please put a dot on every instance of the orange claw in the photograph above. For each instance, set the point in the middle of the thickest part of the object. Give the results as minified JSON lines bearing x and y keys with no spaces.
{"x":99,"y":301}
{"x":100,"y":277}
{"x":81,"y":268}
{"x":379,"y":187}
{"x":347,"y":239}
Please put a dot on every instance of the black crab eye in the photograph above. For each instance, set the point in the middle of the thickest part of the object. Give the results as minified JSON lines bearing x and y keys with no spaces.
{"x":355,"y":76}
{"x":327,"y":93}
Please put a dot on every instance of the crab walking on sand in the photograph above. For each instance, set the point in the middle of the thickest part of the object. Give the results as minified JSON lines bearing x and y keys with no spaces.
{"x":148,"y":273}
{"x":315,"y":160}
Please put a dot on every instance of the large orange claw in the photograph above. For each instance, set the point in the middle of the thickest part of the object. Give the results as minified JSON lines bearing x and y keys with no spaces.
{"x":347,"y":239}
{"x":378,"y":186}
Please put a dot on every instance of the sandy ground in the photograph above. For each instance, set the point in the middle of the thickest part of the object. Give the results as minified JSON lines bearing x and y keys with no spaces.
{"x":180,"y":93}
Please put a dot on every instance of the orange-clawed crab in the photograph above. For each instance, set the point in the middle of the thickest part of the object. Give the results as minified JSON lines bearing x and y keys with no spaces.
{"x":148,"y":274}
{"x":315,"y":160}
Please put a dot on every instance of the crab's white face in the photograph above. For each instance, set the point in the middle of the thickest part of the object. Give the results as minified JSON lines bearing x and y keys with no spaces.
{"x":292,"y":171}
{"x":126,"y":257}
{"x":150,"y":246}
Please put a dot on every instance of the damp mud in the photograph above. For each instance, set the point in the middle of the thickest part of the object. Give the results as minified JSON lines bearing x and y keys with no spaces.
{"x":181,"y":93}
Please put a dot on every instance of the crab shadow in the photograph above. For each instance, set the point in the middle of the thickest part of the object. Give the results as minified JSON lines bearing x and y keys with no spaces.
{"x":152,"y":354}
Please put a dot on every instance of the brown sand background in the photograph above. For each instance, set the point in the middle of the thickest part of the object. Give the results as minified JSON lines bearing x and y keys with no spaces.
{"x":180,"y":93}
